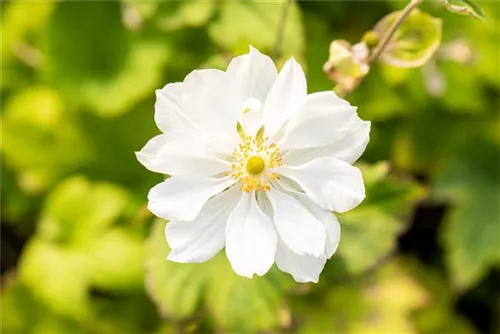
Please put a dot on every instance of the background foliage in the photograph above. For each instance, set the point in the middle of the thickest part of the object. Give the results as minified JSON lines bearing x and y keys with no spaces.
{"x":80,"y":253}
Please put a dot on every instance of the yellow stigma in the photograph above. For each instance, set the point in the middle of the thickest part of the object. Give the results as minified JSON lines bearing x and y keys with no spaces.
{"x":255,"y":165}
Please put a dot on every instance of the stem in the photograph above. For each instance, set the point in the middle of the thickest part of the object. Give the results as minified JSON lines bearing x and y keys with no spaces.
{"x":281,"y":29}
{"x":393,"y":28}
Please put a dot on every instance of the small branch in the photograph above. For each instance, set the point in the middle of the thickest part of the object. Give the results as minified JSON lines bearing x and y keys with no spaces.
{"x":386,"y":39}
{"x":281,"y":29}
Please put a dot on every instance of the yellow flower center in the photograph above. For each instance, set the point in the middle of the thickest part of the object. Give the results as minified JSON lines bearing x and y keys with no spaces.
{"x":254,"y":161}
{"x":255,"y":165}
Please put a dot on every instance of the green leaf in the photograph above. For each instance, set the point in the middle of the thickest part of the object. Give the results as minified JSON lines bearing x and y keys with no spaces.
{"x":415,"y":41}
{"x":438,"y":316}
{"x":370,"y":231}
{"x":104,"y":68}
{"x":470,"y":178}
{"x":19,"y":307}
{"x":58,"y":276}
{"x":173,"y":15}
{"x":22,"y":312}
{"x":116,"y":260}
{"x":464,"y":7}
{"x":240,"y":304}
{"x":77,"y":210}
{"x":41,"y":140}
{"x":381,"y":303}
{"x":175,"y":288}
{"x":237,"y":304}
{"x":243,"y":23}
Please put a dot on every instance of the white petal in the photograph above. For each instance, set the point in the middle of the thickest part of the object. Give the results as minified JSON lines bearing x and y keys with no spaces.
{"x":333,"y":184}
{"x":252,"y":75}
{"x":321,"y":120}
{"x":169,"y":115}
{"x":349,"y":148}
{"x":181,"y":197}
{"x":251,"y":239}
{"x":202,"y":238}
{"x":179,"y":153}
{"x":303,"y":268}
{"x":328,"y":219}
{"x":286,"y":95}
{"x":299,"y":229}
{"x":205,"y":98}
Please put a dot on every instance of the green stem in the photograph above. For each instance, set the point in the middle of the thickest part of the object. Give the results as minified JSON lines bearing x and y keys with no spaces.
{"x":386,"y":39}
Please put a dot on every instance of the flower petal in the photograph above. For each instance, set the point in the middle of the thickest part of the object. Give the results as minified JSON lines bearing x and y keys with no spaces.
{"x":251,"y":239}
{"x":179,"y":153}
{"x":349,"y":148}
{"x":333,"y":184}
{"x":303,"y":268}
{"x":169,"y":115}
{"x":328,"y":219}
{"x":299,"y":229}
{"x":321,"y":120}
{"x":286,"y":95}
{"x":205,"y":99}
{"x":181,"y":197}
{"x":252,"y":74}
{"x":202,"y":238}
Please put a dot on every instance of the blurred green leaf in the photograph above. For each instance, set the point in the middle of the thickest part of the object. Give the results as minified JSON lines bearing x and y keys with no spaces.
{"x":471,"y":233}
{"x":438,"y":315}
{"x":415,"y":41}
{"x":464,"y":7}
{"x":104,"y":68}
{"x":23,"y":313}
{"x":19,"y":308}
{"x":172,"y":15}
{"x":116,"y":260}
{"x":380,"y":303}
{"x":41,"y":139}
{"x":175,"y":288}
{"x":58,"y":276}
{"x":370,"y":231}
{"x":244,"y":305}
{"x":77,"y":210}
{"x":243,"y":23}
{"x":19,"y":21}
{"x":124,"y":313}
{"x":236,"y":303}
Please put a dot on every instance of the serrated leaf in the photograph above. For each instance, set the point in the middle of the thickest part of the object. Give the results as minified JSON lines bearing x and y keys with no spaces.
{"x":464,"y":7}
{"x":471,"y":231}
{"x":243,"y":23}
{"x":415,"y":41}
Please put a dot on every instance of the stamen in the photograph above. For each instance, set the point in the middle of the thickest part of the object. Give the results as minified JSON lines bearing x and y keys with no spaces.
{"x":254,"y":161}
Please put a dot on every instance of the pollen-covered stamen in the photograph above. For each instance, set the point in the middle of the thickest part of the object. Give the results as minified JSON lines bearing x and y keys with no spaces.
{"x":254,"y":163}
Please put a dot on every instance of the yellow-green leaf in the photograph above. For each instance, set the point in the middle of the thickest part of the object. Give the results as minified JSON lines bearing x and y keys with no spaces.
{"x":415,"y":41}
{"x":464,"y":7}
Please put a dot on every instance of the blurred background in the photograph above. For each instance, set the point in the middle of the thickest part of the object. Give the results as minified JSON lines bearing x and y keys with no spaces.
{"x":81,"y":254}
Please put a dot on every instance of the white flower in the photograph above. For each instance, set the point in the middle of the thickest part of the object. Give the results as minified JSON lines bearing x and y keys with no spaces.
{"x":257,"y":165}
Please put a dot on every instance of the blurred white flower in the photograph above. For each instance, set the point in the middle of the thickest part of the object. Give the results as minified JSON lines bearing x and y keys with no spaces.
{"x":257,"y":165}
